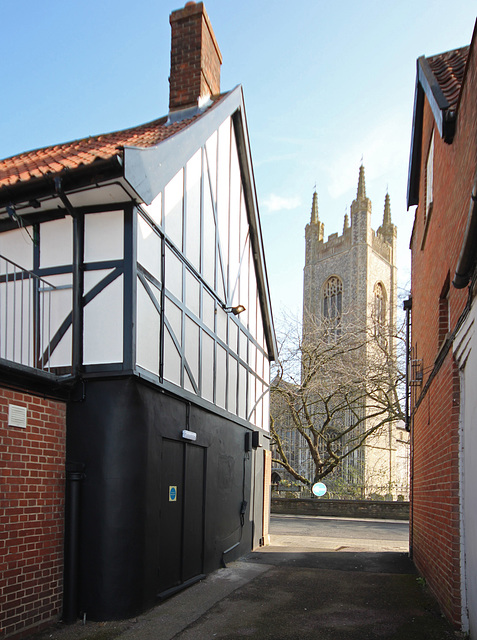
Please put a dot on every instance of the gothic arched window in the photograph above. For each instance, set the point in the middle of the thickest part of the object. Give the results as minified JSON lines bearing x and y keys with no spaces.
{"x":379,"y":304}
{"x":333,"y":301}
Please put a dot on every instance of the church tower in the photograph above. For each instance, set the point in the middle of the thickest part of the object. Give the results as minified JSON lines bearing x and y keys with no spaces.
{"x":358,"y":266}
{"x":351,"y":280}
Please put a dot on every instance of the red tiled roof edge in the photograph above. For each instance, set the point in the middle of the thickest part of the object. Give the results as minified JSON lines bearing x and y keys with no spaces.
{"x":448,"y":69}
{"x":55,"y":159}
{"x":47,"y":162}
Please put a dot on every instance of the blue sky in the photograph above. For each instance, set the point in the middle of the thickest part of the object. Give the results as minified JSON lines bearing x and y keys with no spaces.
{"x":325,"y":83}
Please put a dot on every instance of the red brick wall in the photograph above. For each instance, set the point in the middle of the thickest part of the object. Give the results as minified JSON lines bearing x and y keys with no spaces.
{"x":435,"y":251}
{"x":32,"y":514}
{"x":436,"y":538}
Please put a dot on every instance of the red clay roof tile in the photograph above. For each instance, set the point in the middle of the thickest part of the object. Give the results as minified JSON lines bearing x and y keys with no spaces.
{"x":448,"y":69}
{"x":60,"y":157}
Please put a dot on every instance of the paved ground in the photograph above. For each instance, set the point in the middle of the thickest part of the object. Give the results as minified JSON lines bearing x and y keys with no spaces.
{"x":320,"y":579}
{"x":340,"y":534}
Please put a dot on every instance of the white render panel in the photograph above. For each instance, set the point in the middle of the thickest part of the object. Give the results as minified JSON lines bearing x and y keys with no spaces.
{"x":55,"y":306}
{"x":188,"y":386}
{"x":232,"y":385}
{"x":259,"y":407}
{"x":243,"y":344}
{"x":103,"y":326}
{"x":172,"y":360}
{"x":242,"y":394}
{"x":211,"y":153}
{"x":251,"y":398}
{"x":234,"y":226}
{"x":192,"y":296}
{"x":191,"y":347}
{"x":104,"y":236}
{"x":173,"y":209}
{"x":223,"y":188}
{"x":233,"y":336}
{"x":266,"y":371}
{"x":252,"y":300}
{"x":56,"y":242}
{"x":174,"y":318}
{"x":266,"y":410}
{"x":193,"y":210}
{"x":208,"y":310}
{"x":207,"y":367}
{"x":148,"y":334}
{"x":173,"y":274}
{"x":221,"y":377}
{"x":149,"y":248}
{"x":221,"y":317}
{"x":17,"y":246}
{"x":154,"y":210}
{"x":91,"y":278}
{"x":61,"y":356}
{"x":243,"y":280}
{"x":208,"y":254}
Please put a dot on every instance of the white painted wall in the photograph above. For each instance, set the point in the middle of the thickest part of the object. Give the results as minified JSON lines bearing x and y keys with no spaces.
{"x":466,"y":353}
{"x":103,"y":315}
{"x":103,"y":322}
{"x":207,"y":351}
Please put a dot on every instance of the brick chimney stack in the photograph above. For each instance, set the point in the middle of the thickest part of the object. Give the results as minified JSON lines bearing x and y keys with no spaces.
{"x":195,"y":57}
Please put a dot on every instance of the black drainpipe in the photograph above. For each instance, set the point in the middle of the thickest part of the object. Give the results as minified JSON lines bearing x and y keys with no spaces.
{"x":74,"y":477}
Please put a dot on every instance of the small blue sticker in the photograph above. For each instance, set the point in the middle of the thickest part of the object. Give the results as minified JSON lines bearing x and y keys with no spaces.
{"x":172,"y":494}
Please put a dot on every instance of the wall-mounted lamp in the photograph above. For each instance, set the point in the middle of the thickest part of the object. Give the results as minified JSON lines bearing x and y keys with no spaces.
{"x":235,"y":310}
{"x":189,"y":435}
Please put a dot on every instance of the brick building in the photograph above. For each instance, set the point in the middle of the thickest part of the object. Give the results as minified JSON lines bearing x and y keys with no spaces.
{"x":32,"y":456}
{"x":442,"y":183}
{"x":136,"y":331}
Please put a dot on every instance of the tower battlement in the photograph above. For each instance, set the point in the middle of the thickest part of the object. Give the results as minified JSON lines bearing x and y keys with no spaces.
{"x":358,"y":232}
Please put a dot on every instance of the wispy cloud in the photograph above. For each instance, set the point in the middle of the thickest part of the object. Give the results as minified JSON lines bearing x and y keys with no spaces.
{"x":274,"y":159}
{"x":385,"y":147}
{"x":274,"y":202}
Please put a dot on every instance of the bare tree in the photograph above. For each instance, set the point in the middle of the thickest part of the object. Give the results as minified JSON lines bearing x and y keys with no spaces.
{"x":332,"y":391}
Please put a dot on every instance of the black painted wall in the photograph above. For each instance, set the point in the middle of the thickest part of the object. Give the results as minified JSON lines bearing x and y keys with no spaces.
{"x":134,"y":544}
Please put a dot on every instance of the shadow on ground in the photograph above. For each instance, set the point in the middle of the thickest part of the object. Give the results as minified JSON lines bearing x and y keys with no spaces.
{"x":288,"y":595}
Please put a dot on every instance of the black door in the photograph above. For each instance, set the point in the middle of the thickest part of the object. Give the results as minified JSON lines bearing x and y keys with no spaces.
{"x":182,"y":514}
